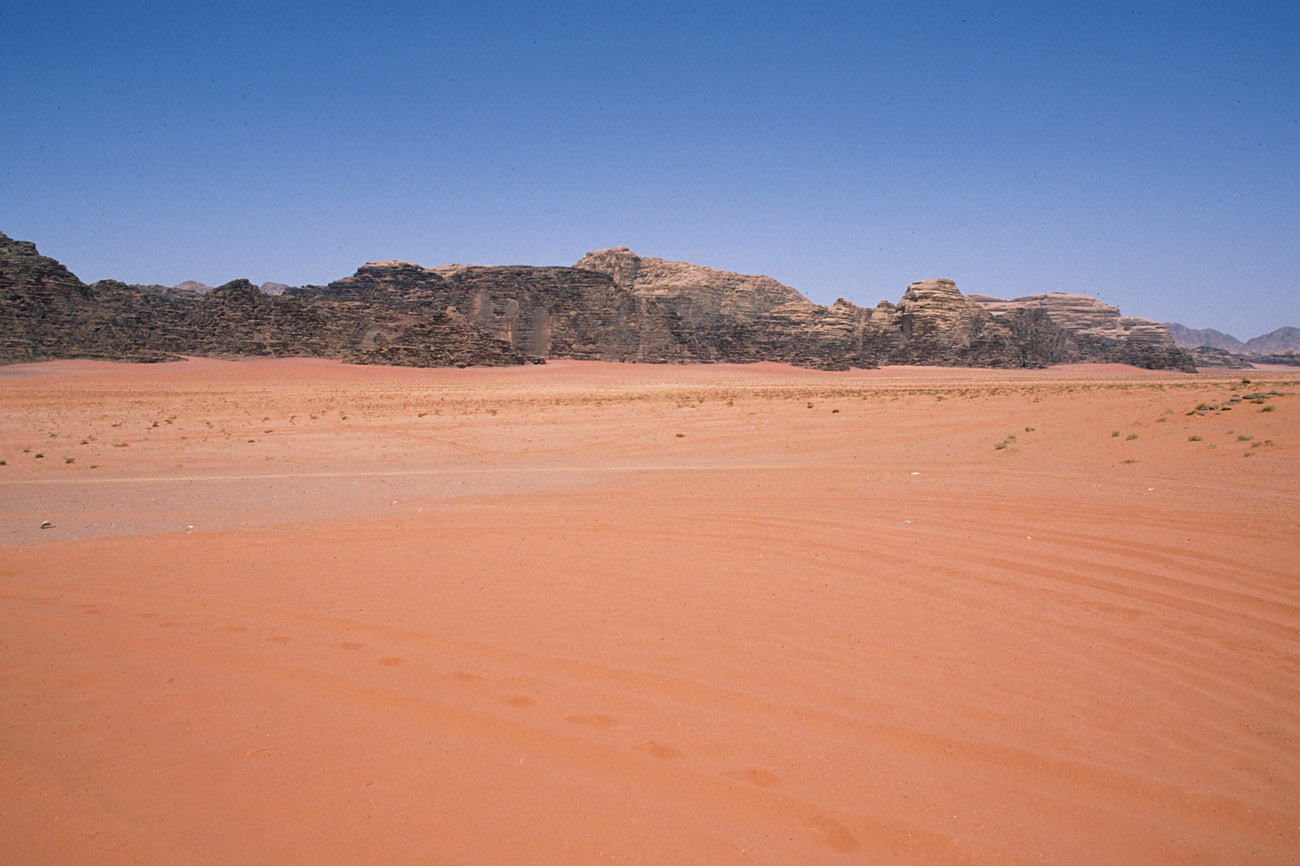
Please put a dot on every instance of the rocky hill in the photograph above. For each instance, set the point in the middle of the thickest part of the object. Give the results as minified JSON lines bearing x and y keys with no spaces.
{"x":46,"y":312}
{"x":1189,"y":338}
{"x":612,"y":305}
{"x":1085,"y":315}
{"x":1212,"y":348}
{"x":1275,"y":342}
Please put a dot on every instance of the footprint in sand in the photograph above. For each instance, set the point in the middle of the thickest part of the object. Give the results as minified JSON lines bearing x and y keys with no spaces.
{"x":346,"y":644}
{"x":658,"y":750}
{"x":466,"y":676}
{"x":391,"y":661}
{"x":833,"y":833}
{"x":599,"y":722}
{"x":759,"y":778}
{"x":518,"y":701}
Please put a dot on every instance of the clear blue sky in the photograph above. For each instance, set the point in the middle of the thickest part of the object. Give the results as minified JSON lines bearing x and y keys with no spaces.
{"x":1144,"y":153}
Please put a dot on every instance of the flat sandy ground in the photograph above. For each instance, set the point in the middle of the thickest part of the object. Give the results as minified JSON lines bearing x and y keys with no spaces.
{"x":295,"y":611}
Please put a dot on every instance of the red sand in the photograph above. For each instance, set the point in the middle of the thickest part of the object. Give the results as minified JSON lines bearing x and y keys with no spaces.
{"x":295,"y":611}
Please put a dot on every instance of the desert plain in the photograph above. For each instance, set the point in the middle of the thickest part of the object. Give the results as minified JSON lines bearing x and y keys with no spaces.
{"x":277,"y":611}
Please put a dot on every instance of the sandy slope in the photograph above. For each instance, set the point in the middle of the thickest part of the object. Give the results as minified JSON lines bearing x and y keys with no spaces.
{"x":590,"y":613}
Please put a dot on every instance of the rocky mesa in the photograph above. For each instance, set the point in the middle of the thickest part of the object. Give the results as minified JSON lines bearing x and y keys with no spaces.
{"x":611,"y":305}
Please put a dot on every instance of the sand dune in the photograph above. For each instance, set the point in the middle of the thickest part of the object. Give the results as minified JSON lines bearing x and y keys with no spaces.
{"x":296,"y":611}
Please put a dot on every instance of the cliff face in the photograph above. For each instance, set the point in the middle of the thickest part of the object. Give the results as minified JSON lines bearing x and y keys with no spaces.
{"x":537,"y":312}
{"x":613,"y":305}
{"x":1093,"y":331}
{"x":691,"y":313}
{"x":691,"y":288}
{"x":47,"y":313}
{"x":1085,"y":315}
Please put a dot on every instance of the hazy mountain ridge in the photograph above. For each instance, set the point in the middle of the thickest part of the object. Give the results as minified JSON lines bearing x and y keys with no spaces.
{"x":1284,"y":339}
{"x":613,"y":305}
{"x":1215,"y":348}
{"x":1189,"y":338}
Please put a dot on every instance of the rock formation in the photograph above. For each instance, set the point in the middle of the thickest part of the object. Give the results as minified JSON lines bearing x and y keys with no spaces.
{"x":1280,"y":341}
{"x":1187,"y":338}
{"x":1208,"y":356}
{"x":612,"y":305}
{"x":46,"y":312}
{"x":1213,"y":348}
{"x":1085,"y":315}
{"x":1291,"y":359}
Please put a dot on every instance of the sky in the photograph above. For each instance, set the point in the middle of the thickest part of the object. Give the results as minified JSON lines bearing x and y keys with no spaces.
{"x":1145,"y":153}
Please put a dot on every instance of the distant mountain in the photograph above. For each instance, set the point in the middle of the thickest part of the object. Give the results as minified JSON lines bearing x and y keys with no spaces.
{"x":193,"y":286}
{"x":613,"y":305}
{"x":1188,"y":338}
{"x":1211,"y":348}
{"x":1281,"y":340}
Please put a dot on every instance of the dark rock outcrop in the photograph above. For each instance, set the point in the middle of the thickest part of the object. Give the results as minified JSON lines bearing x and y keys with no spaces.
{"x":1291,"y":359}
{"x":613,"y":305}
{"x":1208,"y":356}
{"x":47,"y":313}
{"x":237,"y":319}
{"x":1091,"y":330}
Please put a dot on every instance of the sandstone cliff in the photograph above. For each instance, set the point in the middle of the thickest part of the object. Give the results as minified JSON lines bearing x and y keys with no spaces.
{"x":47,"y":313}
{"x":613,"y":305}
{"x":1085,"y":315}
